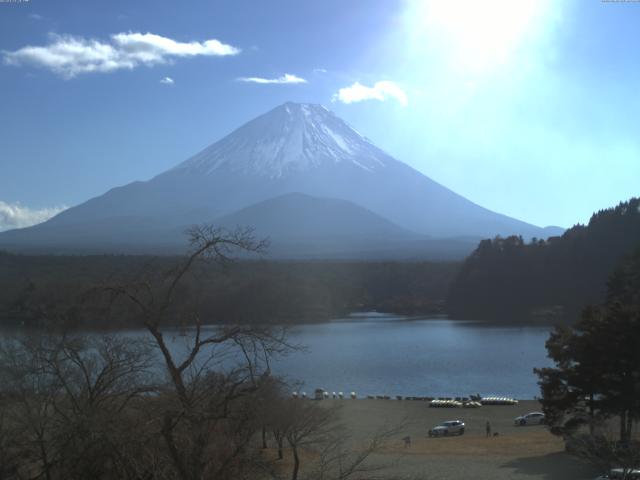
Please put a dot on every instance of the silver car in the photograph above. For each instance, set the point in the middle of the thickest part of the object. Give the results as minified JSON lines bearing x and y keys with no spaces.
{"x":619,"y":473}
{"x":451,"y":427}
{"x":533,"y":418}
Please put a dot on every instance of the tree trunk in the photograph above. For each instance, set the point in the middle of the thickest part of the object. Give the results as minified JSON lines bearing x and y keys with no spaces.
{"x":264,"y":437}
{"x":296,"y":464}
{"x":591,"y":415}
{"x":280,"y":455}
{"x":167,"y":433}
{"x":623,"y":426}
{"x":45,"y":460}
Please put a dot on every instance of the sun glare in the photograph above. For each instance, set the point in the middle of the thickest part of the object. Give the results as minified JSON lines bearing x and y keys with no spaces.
{"x":473,"y":35}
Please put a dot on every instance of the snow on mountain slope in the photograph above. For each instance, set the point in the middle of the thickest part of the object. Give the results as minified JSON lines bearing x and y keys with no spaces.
{"x":291,"y":138}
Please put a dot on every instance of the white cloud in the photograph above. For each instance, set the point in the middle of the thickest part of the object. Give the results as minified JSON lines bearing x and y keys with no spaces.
{"x":286,"y":78}
{"x":380,"y":91}
{"x":167,"y":81}
{"x":35,"y":16}
{"x":18,"y":216}
{"x":320,"y":70}
{"x":69,"y":56}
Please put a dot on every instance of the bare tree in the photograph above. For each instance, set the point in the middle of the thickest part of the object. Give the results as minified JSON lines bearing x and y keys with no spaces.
{"x":28,"y":405}
{"x":313,"y":430}
{"x":341,"y":458}
{"x":208,"y":420}
{"x":66,"y":403}
{"x":309,"y":426}
{"x":277,"y":420}
{"x":10,"y":454}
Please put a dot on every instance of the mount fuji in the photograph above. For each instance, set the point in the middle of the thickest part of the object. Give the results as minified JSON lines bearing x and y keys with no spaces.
{"x":298,"y":174}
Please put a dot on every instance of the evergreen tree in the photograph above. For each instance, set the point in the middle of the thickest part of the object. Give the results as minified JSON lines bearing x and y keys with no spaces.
{"x":507,"y":278}
{"x":597,"y":371}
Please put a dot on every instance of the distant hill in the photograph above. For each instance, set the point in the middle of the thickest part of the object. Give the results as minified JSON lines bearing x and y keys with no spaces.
{"x":510,"y":279}
{"x":302,"y":226}
{"x":294,"y":148}
{"x":296,"y":216}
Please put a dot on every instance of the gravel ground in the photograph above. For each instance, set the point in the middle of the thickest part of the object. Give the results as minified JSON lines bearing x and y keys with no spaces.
{"x":527,"y":453}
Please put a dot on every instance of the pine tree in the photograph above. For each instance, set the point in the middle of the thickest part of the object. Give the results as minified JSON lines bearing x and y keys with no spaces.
{"x":597,"y":361}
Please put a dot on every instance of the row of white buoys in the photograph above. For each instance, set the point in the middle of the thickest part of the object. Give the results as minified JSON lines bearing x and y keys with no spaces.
{"x":453,"y":403}
{"x":441,"y":403}
{"x":498,"y":401}
{"x":446,"y":402}
{"x":321,"y":394}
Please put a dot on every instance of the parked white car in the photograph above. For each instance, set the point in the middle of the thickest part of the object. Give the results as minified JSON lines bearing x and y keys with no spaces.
{"x":533,"y":418}
{"x":451,"y":427}
{"x":618,"y":474}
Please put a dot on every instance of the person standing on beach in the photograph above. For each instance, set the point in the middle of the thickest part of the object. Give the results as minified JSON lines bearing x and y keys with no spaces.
{"x":488,"y":429}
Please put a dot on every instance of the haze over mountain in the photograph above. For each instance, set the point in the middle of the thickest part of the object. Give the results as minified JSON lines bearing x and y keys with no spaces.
{"x":248,"y":177}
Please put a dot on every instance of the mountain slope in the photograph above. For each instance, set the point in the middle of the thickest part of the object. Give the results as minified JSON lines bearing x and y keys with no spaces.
{"x":293,"y":148}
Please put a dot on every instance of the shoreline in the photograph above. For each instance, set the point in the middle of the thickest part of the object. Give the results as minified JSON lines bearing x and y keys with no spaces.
{"x":353,"y":316}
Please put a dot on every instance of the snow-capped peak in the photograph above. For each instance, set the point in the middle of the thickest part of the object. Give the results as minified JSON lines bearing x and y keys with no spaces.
{"x":290,"y":138}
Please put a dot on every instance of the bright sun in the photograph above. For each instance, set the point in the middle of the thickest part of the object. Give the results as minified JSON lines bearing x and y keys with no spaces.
{"x":474,"y":35}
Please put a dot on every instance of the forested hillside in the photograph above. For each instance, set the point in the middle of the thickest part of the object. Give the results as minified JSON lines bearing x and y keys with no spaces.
{"x":548,"y":280}
{"x":55,"y":288}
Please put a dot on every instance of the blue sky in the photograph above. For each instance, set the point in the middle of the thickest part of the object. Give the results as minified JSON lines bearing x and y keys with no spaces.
{"x":529,"y":108}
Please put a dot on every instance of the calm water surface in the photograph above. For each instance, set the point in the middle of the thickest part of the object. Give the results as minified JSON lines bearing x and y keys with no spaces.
{"x":395,"y":355}
{"x":375,"y":354}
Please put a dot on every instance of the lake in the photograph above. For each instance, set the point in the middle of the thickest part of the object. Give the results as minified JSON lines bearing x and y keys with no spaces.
{"x":381,"y":354}
{"x":417,"y":356}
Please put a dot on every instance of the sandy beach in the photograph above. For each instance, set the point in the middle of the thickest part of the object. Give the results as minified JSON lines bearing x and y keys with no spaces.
{"x":527,"y":453}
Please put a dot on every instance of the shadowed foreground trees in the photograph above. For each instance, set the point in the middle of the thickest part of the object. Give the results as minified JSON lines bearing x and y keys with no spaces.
{"x":596,"y":380}
{"x":69,"y":405}
{"x":100,"y":407}
{"x":76,"y":407}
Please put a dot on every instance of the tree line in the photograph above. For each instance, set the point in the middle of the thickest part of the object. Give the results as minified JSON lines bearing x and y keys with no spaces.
{"x":549,"y":280}
{"x":235,"y":292}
